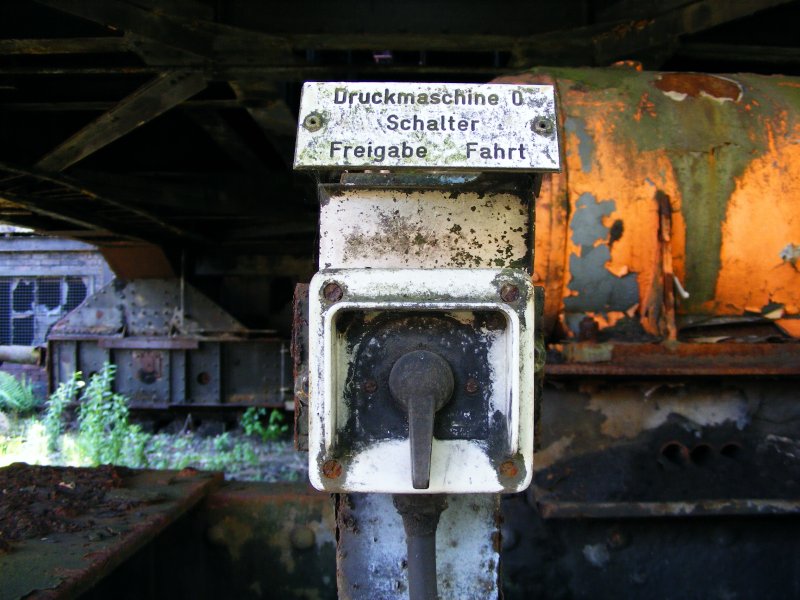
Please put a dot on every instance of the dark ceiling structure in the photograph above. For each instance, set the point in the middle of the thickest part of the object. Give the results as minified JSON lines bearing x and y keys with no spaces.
{"x":171,"y":122}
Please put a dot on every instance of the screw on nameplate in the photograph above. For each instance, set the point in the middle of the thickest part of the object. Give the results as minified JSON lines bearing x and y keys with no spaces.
{"x":543,"y":126}
{"x":313,"y":122}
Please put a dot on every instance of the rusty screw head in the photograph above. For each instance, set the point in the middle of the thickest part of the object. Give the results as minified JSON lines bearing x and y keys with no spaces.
{"x":332,"y":292}
{"x":471,"y":386}
{"x":508,"y":469}
{"x":370,"y":386}
{"x":509,"y":293}
{"x":332,"y":469}
{"x":313,"y":122}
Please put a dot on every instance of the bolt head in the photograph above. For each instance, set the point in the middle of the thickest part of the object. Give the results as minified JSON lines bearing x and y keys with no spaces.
{"x":471,"y":386}
{"x":509,"y":469}
{"x":332,"y":469}
{"x":332,"y":292}
{"x":509,"y":293}
{"x":370,"y":386}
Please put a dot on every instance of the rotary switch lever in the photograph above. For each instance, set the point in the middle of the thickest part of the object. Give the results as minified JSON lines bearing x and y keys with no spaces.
{"x":422,"y":383}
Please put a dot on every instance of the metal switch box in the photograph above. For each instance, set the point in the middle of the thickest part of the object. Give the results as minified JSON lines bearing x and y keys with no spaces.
{"x":474,"y":326}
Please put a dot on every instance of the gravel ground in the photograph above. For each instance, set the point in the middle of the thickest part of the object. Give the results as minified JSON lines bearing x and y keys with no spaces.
{"x":240,"y":457}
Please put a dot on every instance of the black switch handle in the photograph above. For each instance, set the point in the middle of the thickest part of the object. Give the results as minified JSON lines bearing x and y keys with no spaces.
{"x":421,"y":382}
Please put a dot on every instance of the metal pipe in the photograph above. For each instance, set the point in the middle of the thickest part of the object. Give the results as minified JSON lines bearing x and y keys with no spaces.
{"x":24,"y":355}
{"x":422,"y":567}
{"x":420,"y":514}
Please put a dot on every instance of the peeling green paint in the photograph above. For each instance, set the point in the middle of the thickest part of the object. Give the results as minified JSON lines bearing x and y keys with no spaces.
{"x":708,"y":142}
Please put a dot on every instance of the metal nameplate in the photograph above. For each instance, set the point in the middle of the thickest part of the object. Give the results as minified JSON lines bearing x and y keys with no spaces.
{"x":455,"y":126}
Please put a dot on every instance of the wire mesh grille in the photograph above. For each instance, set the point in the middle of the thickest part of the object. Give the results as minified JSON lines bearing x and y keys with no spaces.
{"x":29,"y":306}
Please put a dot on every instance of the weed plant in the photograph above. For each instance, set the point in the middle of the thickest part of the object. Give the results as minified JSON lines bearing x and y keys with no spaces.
{"x":104,"y":433}
{"x":56,"y":406}
{"x":99,"y":431}
{"x":255,"y":423}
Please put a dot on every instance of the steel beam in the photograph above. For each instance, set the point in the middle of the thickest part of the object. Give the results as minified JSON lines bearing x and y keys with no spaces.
{"x":145,"y":104}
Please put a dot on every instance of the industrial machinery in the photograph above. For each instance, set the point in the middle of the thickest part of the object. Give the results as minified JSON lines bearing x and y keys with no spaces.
{"x":667,"y":427}
{"x":420,"y":325}
{"x":174,"y":349}
{"x":665,"y":438}
{"x":668,"y":416}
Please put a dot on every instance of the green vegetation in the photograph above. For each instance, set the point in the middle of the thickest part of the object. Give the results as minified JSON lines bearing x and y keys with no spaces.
{"x":253,"y":424}
{"x":100,"y":431}
{"x":56,"y":405}
{"x":16,"y":396}
{"x":105,"y":435}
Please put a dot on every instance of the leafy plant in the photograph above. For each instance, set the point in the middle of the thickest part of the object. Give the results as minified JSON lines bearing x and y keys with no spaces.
{"x":105,"y":435}
{"x":253,"y":423}
{"x":223,"y":442}
{"x":16,"y":395}
{"x":56,"y":405}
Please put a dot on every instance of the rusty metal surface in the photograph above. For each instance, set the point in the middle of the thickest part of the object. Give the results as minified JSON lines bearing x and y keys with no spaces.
{"x":672,"y":359}
{"x":715,"y":556}
{"x":169,"y":372}
{"x":299,"y":352}
{"x":84,"y":541}
{"x":147,"y":308}
{"x":623,"y":448}
{"x":148,"y":343}
{"x":700,"y":508}
{"x":132,"y":260}
{"x":270,"y":541}
{"x":669,"y":176}
{"x":172,"y":347}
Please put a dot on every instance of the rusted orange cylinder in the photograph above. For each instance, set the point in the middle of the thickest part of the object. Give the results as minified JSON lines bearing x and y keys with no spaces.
{"x":680,"y":199}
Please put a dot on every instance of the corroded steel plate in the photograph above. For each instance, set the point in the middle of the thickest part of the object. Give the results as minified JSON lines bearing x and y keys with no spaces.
{"x":455,"y":126}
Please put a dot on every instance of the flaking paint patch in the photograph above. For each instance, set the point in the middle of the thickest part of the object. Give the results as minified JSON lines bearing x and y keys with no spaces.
{"x":628,"y":412}
{"x":596,"y":288}
{"x":679,"y":86}
{"x":553,"y":453}
{"x":577,"y":127}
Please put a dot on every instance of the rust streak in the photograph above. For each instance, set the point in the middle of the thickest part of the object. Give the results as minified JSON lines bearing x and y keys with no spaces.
{"x":627,"y":359}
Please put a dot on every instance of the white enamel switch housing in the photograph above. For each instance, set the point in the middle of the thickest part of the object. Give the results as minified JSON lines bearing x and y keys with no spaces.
{"x":480,"y":321}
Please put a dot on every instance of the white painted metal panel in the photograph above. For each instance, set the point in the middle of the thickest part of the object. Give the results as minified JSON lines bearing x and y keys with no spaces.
{"x":401,"y":229}
{"x":372,"y":557}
